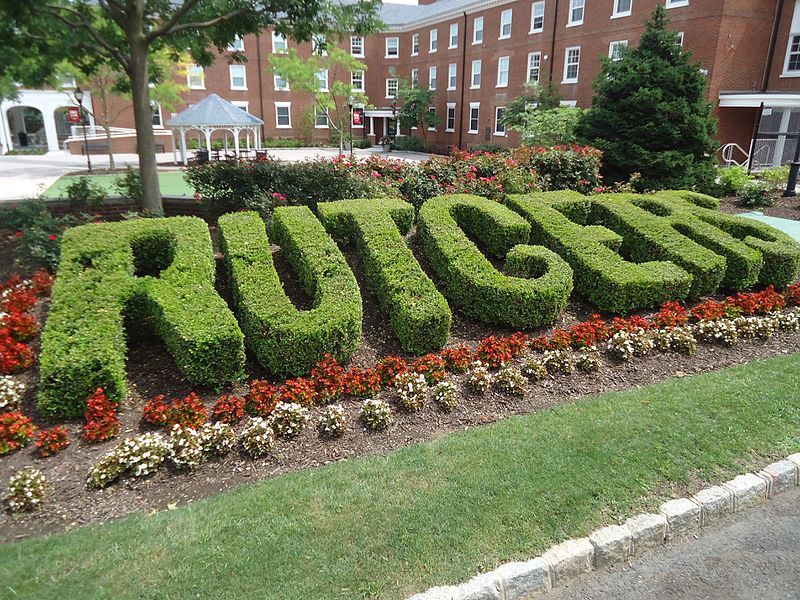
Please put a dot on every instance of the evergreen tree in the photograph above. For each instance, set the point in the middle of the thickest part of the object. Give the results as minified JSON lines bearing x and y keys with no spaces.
{"x":649,"y":114}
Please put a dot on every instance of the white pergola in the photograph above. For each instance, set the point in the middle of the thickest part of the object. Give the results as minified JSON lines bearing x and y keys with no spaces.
{"x":213,"y":114}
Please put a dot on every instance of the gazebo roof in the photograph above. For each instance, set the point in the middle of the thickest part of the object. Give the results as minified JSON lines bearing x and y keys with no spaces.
{"x":213,"y":111}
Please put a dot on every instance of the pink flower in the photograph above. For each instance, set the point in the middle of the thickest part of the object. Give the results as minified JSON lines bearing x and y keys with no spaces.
{"x":52,"y":237}
{"x":18,"y":234}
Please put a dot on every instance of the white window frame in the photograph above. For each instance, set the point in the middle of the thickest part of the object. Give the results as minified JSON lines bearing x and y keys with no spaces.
{"x":474,"y":106}
{"x":243,"y":70}
{"x":506,"y":19}
{"x":324,"y":111}
{"x":415,"y":44}
{"x":617,"y":44}
{"x":531,"y":57}
{"x":477,"y":30}
{"x":243,"y":104}
{"x":794,"y":72}
{"x":389,"y":81}
{"x":537,"y":12}
{"x":433,"y":78}
{"x":277,"y":37}
{"x":433,"y":41}
{"x":197,"y":69}
{"x":432,"y":109}
{"x":680,"y":35}
{"x":156,"y":108}
{"x":237,"y":45}
{"x":453,"y":39}
{"x":500,"y":71}
{"x":452,"y":76}
{"x":621,"y":13}
{"x":356,"y":41}
{"x":479,"y":72}
{"x":575,"y":5}
{"x":279,"y":88}
{"x":287,"y":105}
{"x":318,"y":44}
{"x":451,"y":108}
{"x":567,"y":64}
{"x":360,"y":74}
{"x":497,"y":132}
{"x":414,"y":77}
{"x":677,"y":3}
{"x":395,"y":45}
{"x":325,"y":80}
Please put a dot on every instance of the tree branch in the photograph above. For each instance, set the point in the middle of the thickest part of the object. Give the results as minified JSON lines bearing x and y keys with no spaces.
{"x":113,"y":52}
{"x":209,"y":23}
{"x":172,"y":21}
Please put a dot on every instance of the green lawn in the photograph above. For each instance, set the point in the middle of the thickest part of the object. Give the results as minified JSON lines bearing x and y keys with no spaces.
{"x":389,"y":525}
{"x":172,"y":184}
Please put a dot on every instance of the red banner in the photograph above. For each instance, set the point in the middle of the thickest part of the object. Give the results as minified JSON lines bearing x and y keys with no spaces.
{"x":358,"y":116}
{"x":73,"y":115}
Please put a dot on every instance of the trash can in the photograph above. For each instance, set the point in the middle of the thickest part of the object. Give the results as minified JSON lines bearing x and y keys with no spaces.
{"x":202,"y":157}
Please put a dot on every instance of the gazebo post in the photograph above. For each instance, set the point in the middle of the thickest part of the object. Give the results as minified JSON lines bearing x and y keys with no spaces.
{"x":183,"y":146}
{"x":236,"y":141}
{"x":207,"y":132}
{"x":247,"y":138}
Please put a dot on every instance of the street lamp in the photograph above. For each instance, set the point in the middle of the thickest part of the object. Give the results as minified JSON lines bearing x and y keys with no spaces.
{"x":350,"y":101}
{"x":794,"y":167}
{"x":79,"y":98}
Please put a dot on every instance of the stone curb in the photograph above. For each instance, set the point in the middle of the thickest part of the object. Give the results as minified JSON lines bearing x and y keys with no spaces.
{"x":677,"y":519}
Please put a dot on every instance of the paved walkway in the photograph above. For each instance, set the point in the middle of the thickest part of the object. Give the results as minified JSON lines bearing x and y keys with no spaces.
{"x":755,"y":555}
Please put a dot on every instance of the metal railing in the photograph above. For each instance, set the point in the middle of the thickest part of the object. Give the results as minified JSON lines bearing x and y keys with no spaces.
{"x":97,"y":130}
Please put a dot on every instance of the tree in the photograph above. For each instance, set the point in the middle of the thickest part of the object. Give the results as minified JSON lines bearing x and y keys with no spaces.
{"x":415,"y":104}
{"x":533,"y":97}
{"x":325,"y":76}
{"x":649,"y":114}
{"x":551,"y":127}
{"x":124,"y":33}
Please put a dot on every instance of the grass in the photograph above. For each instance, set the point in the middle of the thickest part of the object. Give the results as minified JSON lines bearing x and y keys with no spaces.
{"x":386,"y":526}
{"x":172,"y":184}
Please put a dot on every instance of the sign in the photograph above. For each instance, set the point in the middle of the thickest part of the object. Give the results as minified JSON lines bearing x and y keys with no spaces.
{"x":358,"y":116}
{"x":73,"y":115}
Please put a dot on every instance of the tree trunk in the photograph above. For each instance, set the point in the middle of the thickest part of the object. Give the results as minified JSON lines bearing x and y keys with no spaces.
{"x":143,"y":117}
{"x":111,"y":165}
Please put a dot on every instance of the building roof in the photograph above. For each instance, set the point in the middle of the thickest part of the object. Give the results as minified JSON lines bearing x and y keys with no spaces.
{"x":213,"y":111}
{"x":405,"y":16}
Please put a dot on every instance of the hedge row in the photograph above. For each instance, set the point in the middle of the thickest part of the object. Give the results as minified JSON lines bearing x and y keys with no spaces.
{"x":288,"y":341}
{"x":601,"y":275}
{"x":84,"y":342}
{"x":417,"y":312}
{"x":472,"y":283}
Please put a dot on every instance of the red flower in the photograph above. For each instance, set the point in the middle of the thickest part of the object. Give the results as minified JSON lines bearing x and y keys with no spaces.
{"x":390,"y":367}
{"x":431,"y":366}
{"x":262,"y":399}
{"x":102,"y":422}
{"x":18,"y":234}
{"x":16,"y":431}
{"x":328,"y":377}
{"x":52,"y":237}
{"x":300,"y":390}
{"x":228,"y":409}
{"x":52,"y":441}
{"x":186,"y":412}
{"x":458,"y":359}
{"x":364,"y":383}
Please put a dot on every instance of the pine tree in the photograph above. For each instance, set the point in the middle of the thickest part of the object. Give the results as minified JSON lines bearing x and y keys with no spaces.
{"x":649,"y":114}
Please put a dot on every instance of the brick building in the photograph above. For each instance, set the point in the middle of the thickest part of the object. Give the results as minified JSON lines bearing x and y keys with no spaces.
{"x":479,"y":53}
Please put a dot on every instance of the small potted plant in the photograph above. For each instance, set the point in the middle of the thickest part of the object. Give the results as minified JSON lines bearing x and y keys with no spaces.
{"x":386,"y":143}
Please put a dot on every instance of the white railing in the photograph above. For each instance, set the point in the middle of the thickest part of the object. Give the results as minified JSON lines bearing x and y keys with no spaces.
{"x":96,"y":130}
{"x":730,"y":152}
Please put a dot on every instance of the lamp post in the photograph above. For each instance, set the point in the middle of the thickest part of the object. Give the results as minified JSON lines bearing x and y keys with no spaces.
{"x":79,"y":98}
{"x":350,"y":102}
{"x":794,"y":168}
{"x":394,"y":117}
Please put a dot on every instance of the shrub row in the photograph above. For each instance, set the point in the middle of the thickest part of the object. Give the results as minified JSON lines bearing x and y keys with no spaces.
{"x":417,"y":312}
{"x":601,"y":275}
{"x":84,"y":344}
{"x":472,"y":283}
{"x":286,"y":340}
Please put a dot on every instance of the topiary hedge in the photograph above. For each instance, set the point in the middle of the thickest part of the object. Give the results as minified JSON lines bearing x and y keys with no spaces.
{"x":161,"y":270}
{"x":417,"y":312}
{"x":601,"y":275}
{"x":472,"y":283}
{"x":286,"y":340}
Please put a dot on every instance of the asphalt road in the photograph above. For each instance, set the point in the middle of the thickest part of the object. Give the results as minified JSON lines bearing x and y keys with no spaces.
{"x":755,"y":555}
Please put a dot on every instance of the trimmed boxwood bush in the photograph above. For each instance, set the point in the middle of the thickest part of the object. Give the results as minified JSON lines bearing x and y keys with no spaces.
{"x":286,"y":340}
{"x":97,"y":288}
{"x":470,"y":280}
{"x":417,"y":312}
{"x":604,"y":277}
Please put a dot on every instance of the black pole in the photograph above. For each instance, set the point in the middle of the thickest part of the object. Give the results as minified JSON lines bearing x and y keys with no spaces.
{"x":794,"y":168}
{"x":85,"y":138}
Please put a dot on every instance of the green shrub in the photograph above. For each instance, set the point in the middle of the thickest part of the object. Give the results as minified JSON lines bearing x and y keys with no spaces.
{"x":417,"y":312}
{"x":472,"y":283}
{"x":362,"y":144}
{"x":39,"y":233}
{"x":97,"y":288}
{"x":85,"y":194}
{"x":756,"y":193}
{"x":288,"y":341}
{"x":408,"y":143}
{"x":733,"y":179}
{"x":129,"y":186}
{"x":775,"y":177}
{"x":562,"y":167}
{"x":601,"y":275}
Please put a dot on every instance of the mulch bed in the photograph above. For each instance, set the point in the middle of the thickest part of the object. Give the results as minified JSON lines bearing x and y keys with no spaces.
{"x":785,"y":208}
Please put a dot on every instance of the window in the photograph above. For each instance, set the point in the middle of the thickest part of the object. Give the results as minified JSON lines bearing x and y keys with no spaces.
{"x":534,"y":66}
{"x":622,"y":8}
{"x":451,"y":117}
{"x":792,"y":65}
{"x":615,"y":49}
{"x":245,"y":106}
{"x":392,"y":47}
{"x":283,"y":115}
{"x":391,"y":87}
{"x":453,"y":35}
{"x":279,"y":44}
{"x":238,"y":77}
{"x":319,"y":44}
{"x":321,"y":118}
{"x":476,"y":75}
{"x":537,"y":17}
{"x":680,"y":39}
{"x":572,"y":61}
{"x":499,"y":128}
{"x":451,"y":76}
{"x":281,"y":84}
{"x":434,"y":43}
{"x":357,"y":81}
{"x":322,"y":78}
{"x":677,"y":3}
{"x":356,"y":45}
{"x":474,"y":117}
{"x":196,"y":78}
{"x":477,"y":30}
{"x":502,"y":71}
{"x":432,"y":110}
{"x":414,"y":77}
{"x":157,"y":116}
{"x":237,"y":45}
{"x":415,"y":44}
{"x":505,"y":24}
{"x":575,"y":12}
{"x":432,"y":78}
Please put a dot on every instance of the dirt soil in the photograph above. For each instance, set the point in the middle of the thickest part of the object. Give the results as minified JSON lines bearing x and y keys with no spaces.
{"x":785,"y":208}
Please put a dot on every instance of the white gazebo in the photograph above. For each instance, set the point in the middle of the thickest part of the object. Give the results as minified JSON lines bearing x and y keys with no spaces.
{"x":212,"y":114}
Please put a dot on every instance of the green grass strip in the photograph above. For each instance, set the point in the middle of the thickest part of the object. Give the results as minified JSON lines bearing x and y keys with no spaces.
{"x":388,"y":525}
